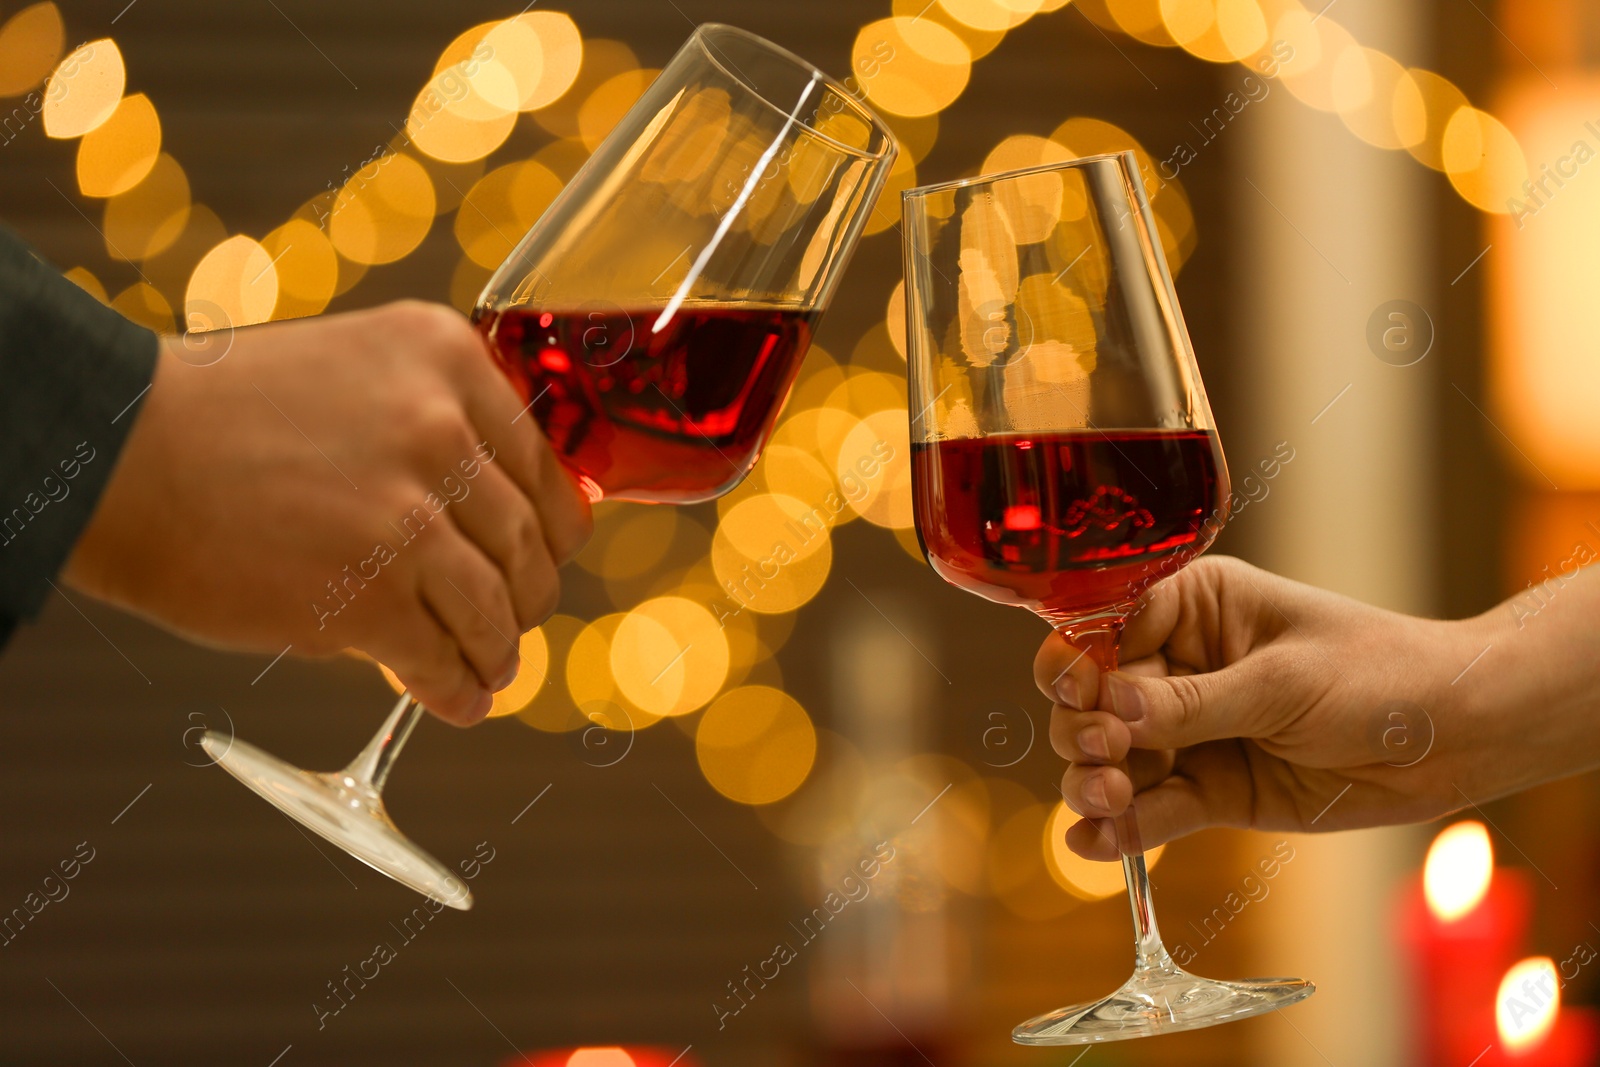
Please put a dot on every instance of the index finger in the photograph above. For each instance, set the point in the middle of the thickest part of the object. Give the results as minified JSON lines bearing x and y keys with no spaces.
{"x":511,"y":436}
{"x":1066,"y":673}
{"x":1150,"y":626}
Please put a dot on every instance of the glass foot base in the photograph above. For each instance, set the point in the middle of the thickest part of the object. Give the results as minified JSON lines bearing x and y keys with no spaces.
{"x":1161,"y":1002}
{"x":342,"y":809}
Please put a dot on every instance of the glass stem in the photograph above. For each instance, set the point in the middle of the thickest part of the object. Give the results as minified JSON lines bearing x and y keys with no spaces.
{"x":1097,"y":636}
{"x":1147,"y":946}
{"x":371,"y":767}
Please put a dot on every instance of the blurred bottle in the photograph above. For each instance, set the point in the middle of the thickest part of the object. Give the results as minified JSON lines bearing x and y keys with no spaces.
{"x":881,"y":975}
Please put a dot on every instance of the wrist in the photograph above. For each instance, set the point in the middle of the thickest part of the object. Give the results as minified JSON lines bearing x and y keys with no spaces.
{"x":1531,"y":695}
{"x":111,"y":557}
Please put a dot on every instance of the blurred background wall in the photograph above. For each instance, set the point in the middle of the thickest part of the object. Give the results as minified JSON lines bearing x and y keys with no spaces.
{"x":639,"y":866}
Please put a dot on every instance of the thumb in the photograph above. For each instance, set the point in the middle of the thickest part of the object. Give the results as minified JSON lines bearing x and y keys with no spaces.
{"x":1177,"y":711}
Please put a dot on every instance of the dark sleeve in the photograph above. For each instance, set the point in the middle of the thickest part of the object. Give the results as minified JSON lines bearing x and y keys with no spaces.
{"x":72,"y":375}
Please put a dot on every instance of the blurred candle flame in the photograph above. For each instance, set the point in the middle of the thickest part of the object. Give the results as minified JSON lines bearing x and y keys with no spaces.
{"x":1456,"y":875}
{"x":600,"y":1057}
{"x":1527,"y":1004}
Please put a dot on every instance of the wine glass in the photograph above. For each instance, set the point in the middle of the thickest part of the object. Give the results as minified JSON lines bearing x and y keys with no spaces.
{"x":1064,"y":460}
{"x":653,"y":321}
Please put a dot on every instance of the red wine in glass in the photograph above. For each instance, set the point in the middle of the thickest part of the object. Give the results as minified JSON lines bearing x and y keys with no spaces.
{"x":1066,"y":523}
{"x":675,"y":416}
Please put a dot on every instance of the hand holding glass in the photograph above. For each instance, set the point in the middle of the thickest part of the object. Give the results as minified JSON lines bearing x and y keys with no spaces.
{"x":653,"y":321}
{"x":1064,"y":460}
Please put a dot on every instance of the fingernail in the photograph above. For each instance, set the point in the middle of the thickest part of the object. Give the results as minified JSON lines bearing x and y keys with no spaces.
{"x":481,"y":706}
{"x":1126,"y":700}
{"x":1094,"y":791}
{"x":1093,"y":741}
{"x":507,"y":678}
{"x":1067,"y":691}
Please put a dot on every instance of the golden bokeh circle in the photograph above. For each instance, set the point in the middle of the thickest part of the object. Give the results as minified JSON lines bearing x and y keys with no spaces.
{"x":1408,"y":111}
{"x":307,"y":265}
{"x":501,"y":207}
{"x":476,"y":77}
{"x":828,"y":807}
{"x":602,"y":58}
{"x":1315,"y":76}
{"x":874,"y":468}
{"x":467,"y":283}
{"x":755,"y":745}
{"x":551,"y":709}
{"x":84,"y":89}
{"x":772,"y":552}
{"x":1375,"y":120}
{"x":234,"y":284}
{"x":911,"y":67}
{"x":1241,"y":27}
{"x":819,"y":374}
{"x":589,"y":675}
{"x":819,"y":432}
{"x":990,"y":16}
{"x":147,"y":219}
{"x":562,"y":55}
{"x":863,"y":392}
{"x":796,"y":473}
{"x":1190,"y":23}
{"x":1438,"y":99}
{"x":118,"y":154}
{"x":610,"y":100}
{"x":30,"y":46}
{"x":669,"y":656}
{"x":518,"y":48}
{"x":439,"y":126}
{"x":1483,"y":160}
{"x":1141,"y":20}
{"x":384,"y":210}
{"x":629,"y":540}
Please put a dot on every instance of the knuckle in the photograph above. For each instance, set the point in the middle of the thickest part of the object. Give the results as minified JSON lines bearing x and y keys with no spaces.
{"x":525,"y":537}
{"x":441,"y":422}
{"x":435,"y":326}
{"x":434,"y":431}
{"x":1227,"y":566}
{"x":436,"y":661}
{"x":1187,"y":701}
{"x":486,"y":625}
{"x":499,"y":634}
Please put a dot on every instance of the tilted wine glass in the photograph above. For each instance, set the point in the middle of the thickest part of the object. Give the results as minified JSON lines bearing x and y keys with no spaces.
{"x":1064,"y":460}
{"x":653,"y":320}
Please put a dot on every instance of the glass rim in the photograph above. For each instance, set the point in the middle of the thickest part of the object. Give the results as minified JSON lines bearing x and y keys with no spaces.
{"x":1044,"y":168}
{"x":890,"y":146}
